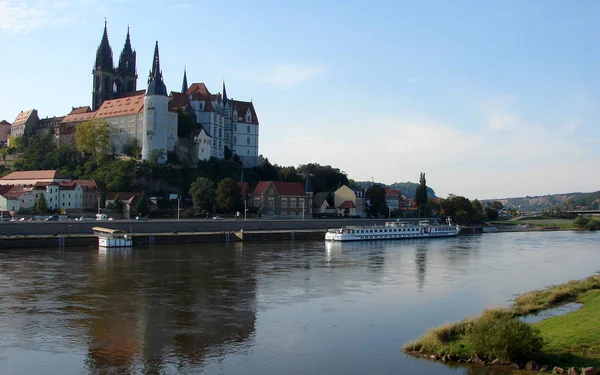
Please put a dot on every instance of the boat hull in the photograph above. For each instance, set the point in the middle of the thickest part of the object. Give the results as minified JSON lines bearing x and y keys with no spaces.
{"x":391,"y":231}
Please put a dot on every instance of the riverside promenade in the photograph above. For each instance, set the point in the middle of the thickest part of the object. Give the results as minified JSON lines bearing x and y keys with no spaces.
{"x":79,"y":233}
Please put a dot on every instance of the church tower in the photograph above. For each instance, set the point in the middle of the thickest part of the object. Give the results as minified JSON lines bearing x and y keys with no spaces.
{"x":126,"y":80}
{"x":104,"y":73}
{"x":156,"y":114}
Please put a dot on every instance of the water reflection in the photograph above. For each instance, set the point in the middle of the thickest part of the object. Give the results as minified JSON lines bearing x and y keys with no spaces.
{"x":264,"y":308}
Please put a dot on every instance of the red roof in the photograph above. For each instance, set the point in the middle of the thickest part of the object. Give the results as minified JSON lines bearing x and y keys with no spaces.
{"x":392,"y":193}
{"x":80,"y":110}
{"x":245,"y":189}
{"x":120,"y":107}
{"x":242,"y":108}
{"x":23,"y":116}
{"x":87,"y":184}
{"x":123,"y":196}
{"x":78,"y":117}
{"x":283,"y":188}
{"x":4,"y":122}
{"x":347,"y":204}
{"x":36,"y":175}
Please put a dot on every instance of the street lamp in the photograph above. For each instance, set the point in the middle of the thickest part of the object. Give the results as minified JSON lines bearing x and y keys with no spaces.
{"x":302,"y":209}
{"x":178,"y":201}
{"x":245,"y":209}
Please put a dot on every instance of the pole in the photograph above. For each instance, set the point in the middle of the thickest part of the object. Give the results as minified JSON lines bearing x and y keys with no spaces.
{"x":98,"y":203}
{"x":178,"y":201}
{"x":245,"y":209}
{"x":302,"y":210}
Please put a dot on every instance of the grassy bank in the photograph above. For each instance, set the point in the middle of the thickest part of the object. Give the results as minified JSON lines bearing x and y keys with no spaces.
{"x":538,"y":222}
{"x":572,"y":339}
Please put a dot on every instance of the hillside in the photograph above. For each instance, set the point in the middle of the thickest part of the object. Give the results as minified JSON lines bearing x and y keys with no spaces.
{"x":566,"y":201}
{"x":407,"y":188}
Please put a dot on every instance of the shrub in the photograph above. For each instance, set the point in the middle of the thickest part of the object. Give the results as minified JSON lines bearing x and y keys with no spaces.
{"x":499,"y":336}
{"x":592,"y":225}
{"x":581,"y":221}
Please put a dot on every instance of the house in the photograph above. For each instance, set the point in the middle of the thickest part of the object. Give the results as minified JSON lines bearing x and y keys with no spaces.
{"x":8,"y":200}
{"x":93,"y":192}
{"x":129,"y":201}
{"x":321,"y":205}
{"x":276,"y":199}
{"x":4,"y":131}
{"x":345,"y":202}
{"x":59,"y":195}
{"x":25,"y":123}
{"x":393,"y":198}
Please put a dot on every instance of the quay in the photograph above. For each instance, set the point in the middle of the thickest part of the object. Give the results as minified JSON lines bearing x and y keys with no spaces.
{"x":79,"y":233}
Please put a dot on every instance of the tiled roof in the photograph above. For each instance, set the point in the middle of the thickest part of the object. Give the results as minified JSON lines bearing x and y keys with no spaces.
{"x":5,"y":188}
{"x":199,"y":88}
{"x":4,"y":122}
{"x":392,"y":193}
{"x":123,"y":196}
{"x":347,"y":204}
{"x":245,"y":189}
{"x":78,"y":117}
{"x":80,"y":110}
{"x":88,"y":184}
{"x":283,"y":188}
{"x":35,"y":175}
{"x":242,"y":108}
{"x":121,"y":107}
{"x":178,"y":101}
{"x":23,"y":116}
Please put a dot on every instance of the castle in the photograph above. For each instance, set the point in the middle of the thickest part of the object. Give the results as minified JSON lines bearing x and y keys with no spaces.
{"x":150,"y":117}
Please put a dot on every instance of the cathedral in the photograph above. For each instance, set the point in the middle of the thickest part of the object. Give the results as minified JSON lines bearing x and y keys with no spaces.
{"x":150,"y":117}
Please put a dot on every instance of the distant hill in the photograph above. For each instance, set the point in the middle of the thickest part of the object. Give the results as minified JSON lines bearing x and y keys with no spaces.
{"x":407,"y":188}
{"x":567,"y":201}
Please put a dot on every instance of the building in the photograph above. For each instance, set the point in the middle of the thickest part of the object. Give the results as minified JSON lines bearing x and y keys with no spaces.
{"x":276,"y":199}
{"x":93,"y":192}
{"x":4,"y":131}
{"x":34,"y":177}
{"x":344,"y":200}
{"x":110,"y":82}
{"x":64,"y":133}
{"x":25,"y":123}
{"x":393,"y":199}
{"x":9,"y":201}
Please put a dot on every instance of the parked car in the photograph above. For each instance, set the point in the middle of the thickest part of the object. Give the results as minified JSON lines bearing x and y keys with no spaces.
{"x":52,"y":218}
{"x":217,"y":218}
{"x":85,"y":218}
{"x":141,"y":218}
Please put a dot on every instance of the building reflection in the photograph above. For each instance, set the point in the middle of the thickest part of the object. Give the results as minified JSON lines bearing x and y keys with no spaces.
{"x":163,"y":307}
{"x":421,"y":264}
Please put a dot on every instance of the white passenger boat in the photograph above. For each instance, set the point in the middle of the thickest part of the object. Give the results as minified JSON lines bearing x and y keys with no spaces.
{"x":393,"y":230}
{"x":112,"y":238}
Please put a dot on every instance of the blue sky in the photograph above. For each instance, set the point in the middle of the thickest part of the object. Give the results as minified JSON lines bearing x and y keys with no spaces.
{"x":490,"y":99}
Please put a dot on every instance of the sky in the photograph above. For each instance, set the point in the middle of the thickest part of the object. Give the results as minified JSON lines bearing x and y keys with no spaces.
{"x":490,"y":99}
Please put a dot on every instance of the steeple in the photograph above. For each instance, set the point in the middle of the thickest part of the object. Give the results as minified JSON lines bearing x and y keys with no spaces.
{"x":156,"y":86}
{"x":126,"y":68}
{"x":184,"y":86}
{"x":308,"y":185}
{"x":225,"y":99}
{"x":104,"y":57}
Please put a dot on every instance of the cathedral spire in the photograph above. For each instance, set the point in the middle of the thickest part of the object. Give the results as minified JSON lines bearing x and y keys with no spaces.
{"x":104,"y":58}
{"x":184,"y":86}
{"x":156,"y":86}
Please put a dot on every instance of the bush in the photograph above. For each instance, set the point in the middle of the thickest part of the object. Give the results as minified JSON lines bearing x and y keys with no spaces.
{"x":499,"y":336}
{"x":592,"y":225}
{"x":581,"y":221}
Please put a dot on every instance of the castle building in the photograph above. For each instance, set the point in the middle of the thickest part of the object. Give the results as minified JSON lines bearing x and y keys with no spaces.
{"x":150,"y":117}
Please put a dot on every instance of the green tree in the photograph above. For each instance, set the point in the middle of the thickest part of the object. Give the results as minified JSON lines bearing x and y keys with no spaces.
{"x":35,"y":152}
{"x":228,"y":195}
{"x":324,"y":178}
{"x":40,"y":204}
{"x":421,"y":193}
{"x":142,"y":205}
{"x":375,"y":194}
{"x":202,"y":193}
{"x":116,"y":204}
{"x":477,"y":210}
{"x":93,"y":137}
{"x":132,"y":148}
{"x":491,"y":214}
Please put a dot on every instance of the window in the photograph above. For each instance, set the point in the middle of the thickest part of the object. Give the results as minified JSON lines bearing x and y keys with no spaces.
{"x":234,"y":127}
{"x":248,"y":152}
{"x":271,"y":202}
{"x":234,"y":139}
{"x":256,"y":202}
{"x":293,"y":202}
{"x":301,"y":202}
{"x":248,"y":140}
{"x":248,"y":129}
{"x":283,"y":202}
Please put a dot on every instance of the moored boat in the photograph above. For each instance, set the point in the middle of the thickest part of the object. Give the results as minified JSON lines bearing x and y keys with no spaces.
{"x":112,"y":238}
{"x":393,"y":230}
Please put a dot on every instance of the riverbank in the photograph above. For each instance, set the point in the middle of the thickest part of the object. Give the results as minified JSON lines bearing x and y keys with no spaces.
{"x":498,"y":336}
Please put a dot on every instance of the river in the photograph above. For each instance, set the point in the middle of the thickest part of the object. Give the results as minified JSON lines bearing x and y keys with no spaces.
{"x":265,"y":308}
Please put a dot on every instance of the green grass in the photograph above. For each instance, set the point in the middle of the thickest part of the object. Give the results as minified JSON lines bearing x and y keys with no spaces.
{"x":572,"y":339}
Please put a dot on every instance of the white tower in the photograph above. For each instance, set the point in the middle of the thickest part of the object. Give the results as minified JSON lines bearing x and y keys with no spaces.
{"x":156,"y":115}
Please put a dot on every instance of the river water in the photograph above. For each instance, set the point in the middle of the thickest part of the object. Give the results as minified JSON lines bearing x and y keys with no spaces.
{"x":265,"y":308}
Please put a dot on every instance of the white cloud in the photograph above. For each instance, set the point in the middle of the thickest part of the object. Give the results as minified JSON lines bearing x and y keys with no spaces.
{"x":182,"y":5}
{"x":290,"y":74}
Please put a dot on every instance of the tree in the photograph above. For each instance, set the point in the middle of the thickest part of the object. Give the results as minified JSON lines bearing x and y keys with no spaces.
{"x":421,"y":193}
{"x":116,"y":204}
{"x":477,"y":210}
{"x":324,"y":178}
{"x":491,"y":213}
{"x":93,"y":137}
{"x":132,"y":148}
{"x":142,"y":205}
{"x":376,"y":197}
{"x":228,"y":195}
{"x":40,"y":204}
{"x":202,"y":192}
